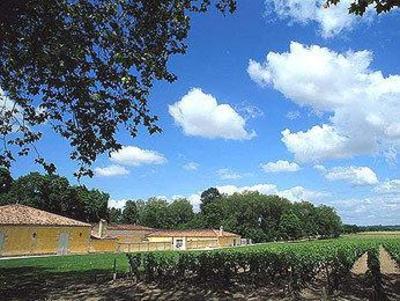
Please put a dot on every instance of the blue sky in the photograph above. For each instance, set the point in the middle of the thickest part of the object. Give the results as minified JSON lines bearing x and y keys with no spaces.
{"x":282,"y":97}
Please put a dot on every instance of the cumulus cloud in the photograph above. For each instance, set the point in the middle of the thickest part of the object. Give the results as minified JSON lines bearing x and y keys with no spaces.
{"x":135,"y":156}
{"x":119,"y":204}
{"x":199,"y":114}
{"x":331,"y":21}
{"x":111,"y":171}
{"x":371,"y":210}
{"x":351,"y":174}
{"x":390,"y":186}
{"x":363,"y":105}
{"x":228,"y":174}
{"x":295,"y":194}
{"x":191,"y":166}
{"x":280,"y":166}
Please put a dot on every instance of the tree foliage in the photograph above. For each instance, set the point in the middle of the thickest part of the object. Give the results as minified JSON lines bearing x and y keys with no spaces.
{"x":358,"y":7}
{"x":54,"y":194}
{"x":85,"y":68}
{"x":251,"y":214}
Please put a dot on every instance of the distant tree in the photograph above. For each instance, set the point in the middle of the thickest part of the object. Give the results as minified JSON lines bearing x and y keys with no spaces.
{"x":209,"y":196}
{"x":86,"y":68}
{"x":6,"y":180}
{"x":329,"y":223}
{"x":54,"y":194}
{"x":95,"y":204}
{"x":349,"y":229}
{"x":114,"y":215}
{"x":130,"y":214}
{"x":181,"y":212}
{"x":290,"y":226}
{"x":155,"y":214}
{"x":358,"y":7}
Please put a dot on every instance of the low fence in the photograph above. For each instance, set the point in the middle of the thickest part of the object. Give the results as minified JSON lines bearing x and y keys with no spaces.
{"x":202,"y":244}
{"x":128,"y":247}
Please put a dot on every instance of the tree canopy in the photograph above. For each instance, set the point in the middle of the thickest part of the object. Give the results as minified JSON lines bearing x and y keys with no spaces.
{"x":253,"y":215}
{"x":54,"y":194}
{"x":358,"y":7}
{"x":85,"y":68}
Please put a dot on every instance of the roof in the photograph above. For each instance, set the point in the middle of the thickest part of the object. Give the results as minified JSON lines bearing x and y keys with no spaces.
{"x":24,"y":215}
{"x":132,"y":227}
{"x":194,"y":232}
{"x":107,"y":237}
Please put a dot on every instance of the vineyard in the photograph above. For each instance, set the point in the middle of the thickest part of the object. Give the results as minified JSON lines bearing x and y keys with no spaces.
{"x":292,"y":266}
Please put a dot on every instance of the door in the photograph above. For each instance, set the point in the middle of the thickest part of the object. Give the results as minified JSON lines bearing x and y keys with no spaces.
{"x":63,"y":243}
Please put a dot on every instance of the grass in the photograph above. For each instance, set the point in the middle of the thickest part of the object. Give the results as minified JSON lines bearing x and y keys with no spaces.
{"x":70,"y":263}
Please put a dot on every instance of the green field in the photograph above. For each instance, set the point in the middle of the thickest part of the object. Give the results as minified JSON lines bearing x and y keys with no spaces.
{"x":104,"y":262}
{"x":287,"y":266}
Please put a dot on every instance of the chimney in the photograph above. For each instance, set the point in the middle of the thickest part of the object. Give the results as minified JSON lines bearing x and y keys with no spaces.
{"x":101,"y":229}
{"x":221,"y":231}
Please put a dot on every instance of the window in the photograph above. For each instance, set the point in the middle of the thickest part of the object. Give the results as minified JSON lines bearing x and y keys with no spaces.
{"x":179,"y":243}
{"x":34,"y":235}
{"x":2,"y":240}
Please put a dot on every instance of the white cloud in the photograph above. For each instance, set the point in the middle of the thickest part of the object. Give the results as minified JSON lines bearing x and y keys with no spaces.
{"x":352,"y":174}
{"x":228,"y":174}
{"x":191,"y":166}
{"x":363,"y":105}
{"x":110,"y":171}
{"x":199,"y":114}
{"x":280,"y":166}
{"x":292,"y":115}
{"x":261,"y":188}
{"x":331,"y":21}
{"x":391,"y":186}
{"x":119,"y":204}
{"x":372,"y":210}
{"x":299,"y":193}
{"x":295,"y":194}
{"x":135,"y":156}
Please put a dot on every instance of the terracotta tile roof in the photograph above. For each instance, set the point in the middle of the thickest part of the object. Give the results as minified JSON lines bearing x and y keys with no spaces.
{"x":25,"y":215}
{"x":194,"y":232}
{"x":128,"y":227}
{"x":107,"y":237}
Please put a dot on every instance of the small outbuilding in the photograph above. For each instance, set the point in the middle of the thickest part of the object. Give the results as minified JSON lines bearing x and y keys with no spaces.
{"x":29,"y":231}
{"x":196,"y":238}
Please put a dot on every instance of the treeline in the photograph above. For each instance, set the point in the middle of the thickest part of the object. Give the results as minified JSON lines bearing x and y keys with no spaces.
{"x":54,"y":194}
{"x":250,"y":214}
{"x":253,"y":215}
{"x":348,"y":229}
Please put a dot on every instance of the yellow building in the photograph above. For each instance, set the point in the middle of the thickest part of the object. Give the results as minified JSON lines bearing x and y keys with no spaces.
{"x":28,"y":231}
{"x":125,"y":233}
{"x":195,"y":239}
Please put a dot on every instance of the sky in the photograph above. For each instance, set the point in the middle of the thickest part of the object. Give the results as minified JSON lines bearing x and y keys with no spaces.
{"x":282,"y":97}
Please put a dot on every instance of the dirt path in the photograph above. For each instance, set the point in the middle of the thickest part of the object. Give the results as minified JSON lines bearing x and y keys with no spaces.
{"x":388,"y":265}
{"x":360,"y":266}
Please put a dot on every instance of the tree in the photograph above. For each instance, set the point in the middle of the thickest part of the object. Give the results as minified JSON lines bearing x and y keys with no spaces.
{"x":114,"y":215}
{"x":130,"y":214}
{"x":290,"y":226}
{"x":85,"y":68}
{"x":209,"y":196}
{"x":181,"y":212}
{"x":6,"y":180}
{"x":155,"y":214}
{"x":95,"y":204}
{"x":54,"y":194}
{"x":329,"y":223}
{"x":358,"y":7}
